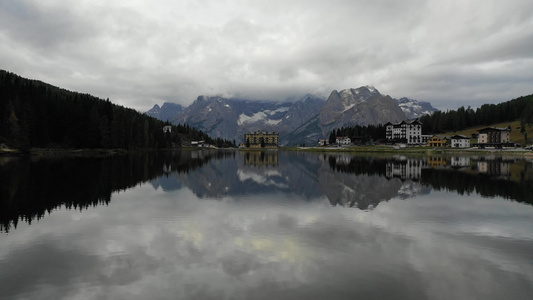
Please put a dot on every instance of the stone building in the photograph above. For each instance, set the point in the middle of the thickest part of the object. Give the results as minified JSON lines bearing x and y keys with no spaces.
{"x":259,"y":139}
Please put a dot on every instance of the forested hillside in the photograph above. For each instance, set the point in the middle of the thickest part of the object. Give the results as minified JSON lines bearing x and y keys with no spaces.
{"x":363,"y":133}
{"x":455,"y":120}
{"x":36,"y":114}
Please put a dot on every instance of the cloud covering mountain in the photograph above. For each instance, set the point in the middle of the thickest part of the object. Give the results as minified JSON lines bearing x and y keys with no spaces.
{"x":138,"y":53}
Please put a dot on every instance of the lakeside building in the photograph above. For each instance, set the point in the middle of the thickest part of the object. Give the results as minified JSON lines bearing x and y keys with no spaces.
{"x":344,"y":141}
{"x":437,"y":141}
{"x":167,"y":129}
{"x":259,"y":139}
{"x":425,"y":138}
{"x":494,"y":137}
{"x":460,"y":141}
{"x":404,"y":132}
{"x":323,"y":142}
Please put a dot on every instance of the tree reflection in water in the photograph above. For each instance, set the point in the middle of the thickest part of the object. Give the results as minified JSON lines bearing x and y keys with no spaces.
{"x":30,"y":187}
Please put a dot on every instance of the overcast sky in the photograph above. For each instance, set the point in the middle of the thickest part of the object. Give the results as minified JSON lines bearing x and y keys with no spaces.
{"x":139,"y":53}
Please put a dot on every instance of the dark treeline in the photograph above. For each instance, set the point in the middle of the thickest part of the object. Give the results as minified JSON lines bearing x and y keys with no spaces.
{"x":453,"y":120}
{"x":363,"y":133}
{"x":36,"y":114}
{"x":358,"y":165}
{"x":462,"y":118}
{"x":485,"y":185}
{"x":31,"y":187}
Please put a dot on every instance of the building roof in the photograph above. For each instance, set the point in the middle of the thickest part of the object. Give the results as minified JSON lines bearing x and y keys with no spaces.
{"x":460,"y":137}
{"x":404,"y":122}
{"x":489,"y":129}
{"x":441,"y":137}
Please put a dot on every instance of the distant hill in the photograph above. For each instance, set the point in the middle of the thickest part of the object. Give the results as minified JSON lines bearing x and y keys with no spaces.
{"x":516,"y":135}
{"x":520,"y":109}
{"x":37,"y":114}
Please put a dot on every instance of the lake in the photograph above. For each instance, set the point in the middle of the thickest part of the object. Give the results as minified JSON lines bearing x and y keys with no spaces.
{"x":266,"y":225}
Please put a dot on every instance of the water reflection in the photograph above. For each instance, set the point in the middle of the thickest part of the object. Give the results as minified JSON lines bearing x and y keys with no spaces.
{"x":261,"y":158}
{"x":32,"y":187}
{"x":209,"y":225}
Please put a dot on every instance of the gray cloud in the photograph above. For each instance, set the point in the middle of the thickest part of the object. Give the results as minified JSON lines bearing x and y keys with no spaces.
{"x":139,"y":53}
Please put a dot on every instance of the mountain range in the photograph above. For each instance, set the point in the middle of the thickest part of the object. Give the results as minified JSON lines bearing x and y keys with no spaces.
{"x":303,"y":121}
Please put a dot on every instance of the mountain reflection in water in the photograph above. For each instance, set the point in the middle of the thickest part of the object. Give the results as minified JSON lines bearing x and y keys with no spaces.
{"x":265,"y":225}
{"x":32,"y":187}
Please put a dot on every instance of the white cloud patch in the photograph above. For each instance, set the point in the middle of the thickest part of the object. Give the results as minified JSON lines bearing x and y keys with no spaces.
{"x":261,"y":179}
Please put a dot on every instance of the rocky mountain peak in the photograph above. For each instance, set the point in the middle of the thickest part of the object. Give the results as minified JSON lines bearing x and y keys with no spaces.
{"x":415,"y":109}
{"x":298,"y":120}
{"x":165,"y":112}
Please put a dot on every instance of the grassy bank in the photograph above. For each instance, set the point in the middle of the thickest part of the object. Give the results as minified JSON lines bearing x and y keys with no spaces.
{"x":516,"y":135}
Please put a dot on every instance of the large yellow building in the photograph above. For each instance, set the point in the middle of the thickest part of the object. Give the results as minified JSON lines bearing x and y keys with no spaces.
{"x":260,"y":139}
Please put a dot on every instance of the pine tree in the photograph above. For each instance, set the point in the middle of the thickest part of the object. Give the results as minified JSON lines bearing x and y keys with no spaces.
{"x":13,"y":129}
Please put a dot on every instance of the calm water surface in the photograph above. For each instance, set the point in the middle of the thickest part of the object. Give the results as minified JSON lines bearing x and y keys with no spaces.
{"x":266,"y":225}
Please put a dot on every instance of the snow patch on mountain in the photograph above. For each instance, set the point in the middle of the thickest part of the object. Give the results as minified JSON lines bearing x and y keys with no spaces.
{"x":279,"y":110}
{"x":250,"y":119}
{"x":261,"y":116}
{"x":348,"y":107}
{"x":414,"y":108}
{"x":273,"y":122}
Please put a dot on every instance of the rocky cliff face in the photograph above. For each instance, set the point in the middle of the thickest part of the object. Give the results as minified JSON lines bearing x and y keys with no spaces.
{"x":232,"y":118}
{"x":414,"y":109}
{"x":350,"y":107}
{"x":165,"y":112}
{"x":301,"y":122}
{"x":363,"y":106}
{"x":301,"y":111}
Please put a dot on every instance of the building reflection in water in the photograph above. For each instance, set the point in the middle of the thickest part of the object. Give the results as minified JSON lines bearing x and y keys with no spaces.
{"x":411,"y":167}
{"x":460,"y":161}
{"x":405,"y":168}
{"x":345,"y":179}
{"x":261,"y":158}
{"x":495,"y":167}
{"x":437,"y":161}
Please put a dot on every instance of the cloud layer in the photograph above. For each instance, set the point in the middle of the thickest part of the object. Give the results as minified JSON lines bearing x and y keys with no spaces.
{"x":139,"y":53}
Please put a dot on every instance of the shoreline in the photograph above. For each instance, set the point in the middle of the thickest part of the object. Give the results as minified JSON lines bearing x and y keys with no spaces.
{"x":353,"y":149}
{"x":410,"y":150}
